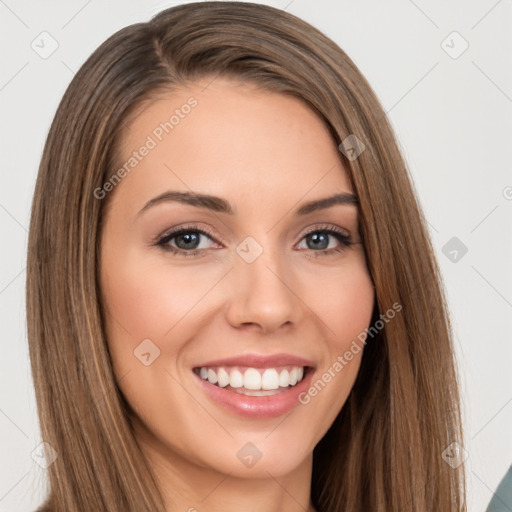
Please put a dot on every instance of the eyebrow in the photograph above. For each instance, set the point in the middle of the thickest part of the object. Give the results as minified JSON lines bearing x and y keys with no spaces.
{"x":219,"y":205}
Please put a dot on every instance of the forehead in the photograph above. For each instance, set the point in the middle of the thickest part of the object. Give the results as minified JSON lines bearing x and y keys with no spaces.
{"x":227,"y":139}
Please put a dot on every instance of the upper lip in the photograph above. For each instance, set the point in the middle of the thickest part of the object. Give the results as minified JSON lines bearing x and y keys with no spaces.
{"x":259,"y":361}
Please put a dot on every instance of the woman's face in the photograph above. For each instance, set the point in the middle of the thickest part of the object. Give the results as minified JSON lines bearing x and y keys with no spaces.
{"x":259,"y":284}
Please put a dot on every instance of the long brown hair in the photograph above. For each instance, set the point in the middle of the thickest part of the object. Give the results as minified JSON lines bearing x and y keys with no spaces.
{"x":384,"y":450}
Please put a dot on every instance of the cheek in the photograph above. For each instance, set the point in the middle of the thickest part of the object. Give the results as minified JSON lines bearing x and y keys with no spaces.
{"x":344,"y":301}
{"x":147,"y":298}
{"x":144,"y":301}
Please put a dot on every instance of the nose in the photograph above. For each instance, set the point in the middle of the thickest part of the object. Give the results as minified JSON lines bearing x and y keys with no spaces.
{"x":263,"y":294}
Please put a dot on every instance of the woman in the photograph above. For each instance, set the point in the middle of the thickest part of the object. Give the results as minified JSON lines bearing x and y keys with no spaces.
{"x":232,"y":299}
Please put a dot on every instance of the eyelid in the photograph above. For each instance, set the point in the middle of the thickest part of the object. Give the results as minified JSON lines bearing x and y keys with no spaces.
{"x":326,"y":227}
{"x":176,"y":231}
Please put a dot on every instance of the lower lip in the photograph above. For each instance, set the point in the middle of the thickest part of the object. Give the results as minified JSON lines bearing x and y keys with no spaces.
{"x":258,"y":406}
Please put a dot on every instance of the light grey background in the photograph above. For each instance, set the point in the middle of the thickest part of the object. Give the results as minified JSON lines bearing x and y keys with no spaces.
{"x":452,"y":117}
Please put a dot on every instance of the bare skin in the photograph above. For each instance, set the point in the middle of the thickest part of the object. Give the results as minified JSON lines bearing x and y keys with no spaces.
{"x":266,"y":154}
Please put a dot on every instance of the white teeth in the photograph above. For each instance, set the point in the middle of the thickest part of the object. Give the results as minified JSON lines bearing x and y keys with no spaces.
{"x":284,"y":378}
{"x":270,"y":379}
{"x":212,"y":376}
{"x":253,"y":379}
{"x":236,"y":379}
{"x":223,"y":378}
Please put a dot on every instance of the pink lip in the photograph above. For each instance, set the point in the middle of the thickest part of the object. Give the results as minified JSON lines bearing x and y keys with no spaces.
{"x":259,"y":361}
{"x":258,"y":406}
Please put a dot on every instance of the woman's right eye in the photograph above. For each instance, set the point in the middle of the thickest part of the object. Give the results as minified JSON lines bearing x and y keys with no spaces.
{"x":186,"y":241}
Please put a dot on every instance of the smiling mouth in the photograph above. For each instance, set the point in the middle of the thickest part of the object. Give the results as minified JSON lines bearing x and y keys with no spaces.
{"x":253,"y":381}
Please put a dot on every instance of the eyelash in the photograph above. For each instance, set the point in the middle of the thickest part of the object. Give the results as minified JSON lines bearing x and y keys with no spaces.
{"x":163,"y":241}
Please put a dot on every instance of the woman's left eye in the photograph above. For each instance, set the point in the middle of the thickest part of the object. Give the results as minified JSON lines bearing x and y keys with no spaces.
{"x":187,"y":241}
{"x":319,"y":239}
